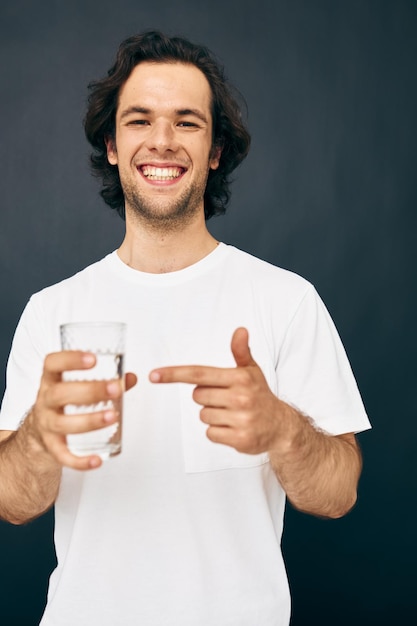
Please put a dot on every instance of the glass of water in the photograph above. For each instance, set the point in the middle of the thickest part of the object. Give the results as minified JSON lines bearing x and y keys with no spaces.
{"x":106,"y":340}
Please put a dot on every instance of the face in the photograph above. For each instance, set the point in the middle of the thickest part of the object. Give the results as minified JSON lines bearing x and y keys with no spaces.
{"x":163,"y":143}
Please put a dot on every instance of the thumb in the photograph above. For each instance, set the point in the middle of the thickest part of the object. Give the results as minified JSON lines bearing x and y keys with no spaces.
{"x":240,"y":348}
{"x":130,"y":380}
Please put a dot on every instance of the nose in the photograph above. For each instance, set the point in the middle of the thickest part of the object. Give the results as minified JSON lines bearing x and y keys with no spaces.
{"x":162,"y":137}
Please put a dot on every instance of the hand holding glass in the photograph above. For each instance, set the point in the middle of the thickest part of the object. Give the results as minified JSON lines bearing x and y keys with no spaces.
{"x":106,"y":341}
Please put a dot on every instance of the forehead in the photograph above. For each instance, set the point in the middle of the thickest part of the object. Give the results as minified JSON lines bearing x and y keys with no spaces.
{"x":166,"y":85}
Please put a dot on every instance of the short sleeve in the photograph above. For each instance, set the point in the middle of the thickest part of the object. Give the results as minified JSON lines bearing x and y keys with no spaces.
{"x":314,"y":374}
{"x":24,"y":368}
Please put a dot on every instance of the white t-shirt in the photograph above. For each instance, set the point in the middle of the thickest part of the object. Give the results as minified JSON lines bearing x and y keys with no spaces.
{"x":177,"y":530}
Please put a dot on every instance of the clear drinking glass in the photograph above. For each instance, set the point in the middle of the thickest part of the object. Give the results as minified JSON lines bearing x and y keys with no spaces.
{"x":106,"y":340}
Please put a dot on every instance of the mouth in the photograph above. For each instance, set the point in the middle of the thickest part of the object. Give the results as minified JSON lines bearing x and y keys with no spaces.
{"x":161,"y":174}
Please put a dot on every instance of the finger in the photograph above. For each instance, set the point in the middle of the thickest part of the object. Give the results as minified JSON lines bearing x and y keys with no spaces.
{"x":211,"y":396}
{"x":240,"y":348}
{"x":130,"y":380}
{"x":73,"y":423}
{"x":83,"y":392}
{"x":230,"y":437}
{"x":194,"y":374}
{"x":83,"y":463}
{"x":58,"y":362}
{"x":236,"y":397}
{"x":58,"y":448}
{"x":221,"y":434}
{"x":215,"y":417}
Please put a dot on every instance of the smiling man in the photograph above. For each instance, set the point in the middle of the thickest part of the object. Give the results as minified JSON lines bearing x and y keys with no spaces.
{"x":163,"y":143}
{"x":162,"y":147}
{"x":240,"y":394}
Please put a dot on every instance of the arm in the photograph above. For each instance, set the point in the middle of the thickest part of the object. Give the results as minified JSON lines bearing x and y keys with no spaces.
{"x":31,"y":458}
{"x":319,"y":472}
{"x":30,"y":476}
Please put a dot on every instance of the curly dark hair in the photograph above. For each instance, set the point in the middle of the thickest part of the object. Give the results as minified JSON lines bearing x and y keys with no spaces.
{"x":229,"y":131}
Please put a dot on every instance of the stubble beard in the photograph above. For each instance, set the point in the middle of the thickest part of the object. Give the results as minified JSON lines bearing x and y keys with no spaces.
{"x":163,"y":215}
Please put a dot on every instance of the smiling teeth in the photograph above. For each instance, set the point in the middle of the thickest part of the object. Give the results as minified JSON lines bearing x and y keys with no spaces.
{"x":161,"y":173}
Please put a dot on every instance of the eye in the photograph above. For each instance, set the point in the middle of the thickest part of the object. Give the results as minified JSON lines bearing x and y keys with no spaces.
{"x":139,"y":122}
{"x":187,"y":124}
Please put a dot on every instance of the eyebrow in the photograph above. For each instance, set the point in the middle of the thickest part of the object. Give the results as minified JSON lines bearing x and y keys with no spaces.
{"x":144,"y":111}
{"x":194,"y":112}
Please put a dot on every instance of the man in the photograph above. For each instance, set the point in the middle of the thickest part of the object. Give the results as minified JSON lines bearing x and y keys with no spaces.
{"x":184,"y":526}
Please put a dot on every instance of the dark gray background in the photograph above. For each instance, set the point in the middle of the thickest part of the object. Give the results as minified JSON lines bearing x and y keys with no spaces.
{"x":329,"y":191}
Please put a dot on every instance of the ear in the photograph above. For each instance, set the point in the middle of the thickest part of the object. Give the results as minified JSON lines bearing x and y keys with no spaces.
{"x":215,"y":155}
{"x":111,"y":150}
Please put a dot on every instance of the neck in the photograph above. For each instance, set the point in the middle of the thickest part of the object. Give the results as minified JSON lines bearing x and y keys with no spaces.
{"x":158,"y":252}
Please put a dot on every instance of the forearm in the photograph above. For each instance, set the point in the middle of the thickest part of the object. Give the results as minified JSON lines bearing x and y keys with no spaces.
{"x":318,"y":472}
{"x":30,"y":477}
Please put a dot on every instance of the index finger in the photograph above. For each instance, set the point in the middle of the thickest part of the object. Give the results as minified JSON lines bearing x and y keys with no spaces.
{"x":57,"y":362}
{"x":203,"y":375}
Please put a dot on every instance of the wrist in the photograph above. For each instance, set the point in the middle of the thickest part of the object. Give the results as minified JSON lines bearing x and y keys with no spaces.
{"x":293,"y":435}
{"x":31,"y":438}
